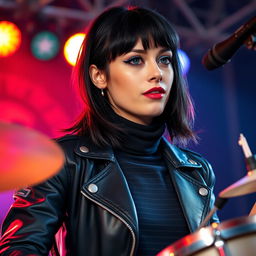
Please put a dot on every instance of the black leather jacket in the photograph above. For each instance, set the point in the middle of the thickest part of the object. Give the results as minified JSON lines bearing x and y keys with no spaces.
{"x":89,"y":202}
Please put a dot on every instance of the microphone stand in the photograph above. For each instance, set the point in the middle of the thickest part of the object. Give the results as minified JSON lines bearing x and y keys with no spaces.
{"x":222,"y":52}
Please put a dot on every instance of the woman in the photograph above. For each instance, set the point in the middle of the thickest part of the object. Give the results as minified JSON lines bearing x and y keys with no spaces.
{"x":124,"y":190}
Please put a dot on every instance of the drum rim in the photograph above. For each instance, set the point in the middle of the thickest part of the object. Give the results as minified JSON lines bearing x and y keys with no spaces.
{"x":226,"y":230}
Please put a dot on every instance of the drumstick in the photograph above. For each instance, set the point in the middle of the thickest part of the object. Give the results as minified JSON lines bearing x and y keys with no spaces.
{"x":243,"y":143}
{"x":218,"y":205}
{"x":250,"y":166}
{"x":208,"y":217}
{"x":248,"y":154}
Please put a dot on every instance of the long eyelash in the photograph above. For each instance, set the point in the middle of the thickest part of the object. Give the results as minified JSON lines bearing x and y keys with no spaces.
{"x":166,"y":57}
{"x":132,"y":58}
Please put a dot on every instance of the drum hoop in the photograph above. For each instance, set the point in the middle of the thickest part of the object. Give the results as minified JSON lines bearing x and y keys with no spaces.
{"x":227,"y":230}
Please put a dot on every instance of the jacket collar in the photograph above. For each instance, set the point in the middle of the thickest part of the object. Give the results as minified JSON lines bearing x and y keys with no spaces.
{"x":178,"y":158}
{"x":85,"y":148}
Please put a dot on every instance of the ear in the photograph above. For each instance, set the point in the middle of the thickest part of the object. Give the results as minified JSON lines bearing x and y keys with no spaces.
{"x":98,"y":77}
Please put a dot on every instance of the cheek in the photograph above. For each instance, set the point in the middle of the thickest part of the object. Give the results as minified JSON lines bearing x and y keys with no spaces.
{"x":171,"y":75}
{"x":122,"y":82}
{"x":169,"y":80}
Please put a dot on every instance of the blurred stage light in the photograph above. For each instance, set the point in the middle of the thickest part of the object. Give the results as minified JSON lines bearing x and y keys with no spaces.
{"x":184,"y":60}
{"x":45,"y":45}
{"x":72,"y":47}
{"x":10,"y":38}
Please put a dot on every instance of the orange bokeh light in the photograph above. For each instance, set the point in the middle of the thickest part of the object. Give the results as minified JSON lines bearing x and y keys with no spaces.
{"x":10,"y":38}
{"x":72,"y":47}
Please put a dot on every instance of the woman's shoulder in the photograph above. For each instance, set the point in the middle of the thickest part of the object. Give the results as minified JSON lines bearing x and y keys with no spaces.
{"x":190,"y":160}
{"x":197,"y":157}
{"x":186,"y":153}
{"x":206,"y":168}
{"x":181,"y":153}
{"x":70,"y":142}
{"x":68,"y":138}
{"x":82,"y":145}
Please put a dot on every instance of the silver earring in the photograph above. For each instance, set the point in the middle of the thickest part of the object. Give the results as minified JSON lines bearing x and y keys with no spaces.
{"x":102,"y":92}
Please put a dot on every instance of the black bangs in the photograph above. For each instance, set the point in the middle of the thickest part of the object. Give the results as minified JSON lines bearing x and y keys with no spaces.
{"x":153,"y":30}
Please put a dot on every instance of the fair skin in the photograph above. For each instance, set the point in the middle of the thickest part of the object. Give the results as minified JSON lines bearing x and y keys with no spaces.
{"x":139,"y":82}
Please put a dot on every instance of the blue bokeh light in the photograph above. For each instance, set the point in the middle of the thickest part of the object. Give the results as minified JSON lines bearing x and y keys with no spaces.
{"x":184,"y":60}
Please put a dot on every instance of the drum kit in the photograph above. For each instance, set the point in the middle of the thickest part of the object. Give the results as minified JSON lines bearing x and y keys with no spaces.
{"x":235,"y":237}
{"x":28,"y":157}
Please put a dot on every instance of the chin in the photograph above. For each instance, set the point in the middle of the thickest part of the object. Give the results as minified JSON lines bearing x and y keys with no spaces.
{"x":156,"y":112}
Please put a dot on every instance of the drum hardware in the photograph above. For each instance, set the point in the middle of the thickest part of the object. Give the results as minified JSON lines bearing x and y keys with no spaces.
{"x":219,"y":243}
{"x":26,"y":157}
{"x":245,"y":185}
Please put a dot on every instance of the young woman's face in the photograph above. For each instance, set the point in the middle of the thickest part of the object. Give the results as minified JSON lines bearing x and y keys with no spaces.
{"x":140,"y":82}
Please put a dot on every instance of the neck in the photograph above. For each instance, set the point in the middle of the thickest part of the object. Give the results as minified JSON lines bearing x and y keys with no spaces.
{"x":140,"y":138}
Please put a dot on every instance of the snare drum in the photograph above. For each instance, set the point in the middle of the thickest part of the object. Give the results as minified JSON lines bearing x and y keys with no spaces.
{"x":235,"y":237}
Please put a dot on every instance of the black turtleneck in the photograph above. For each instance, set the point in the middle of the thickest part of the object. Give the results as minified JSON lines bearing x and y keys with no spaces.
{"x":161,"y":221}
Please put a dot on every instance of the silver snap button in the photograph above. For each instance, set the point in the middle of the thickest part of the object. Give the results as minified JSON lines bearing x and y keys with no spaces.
{"x":192,"y":161}
{"x":93,"y":188}
{"x":84,"y":149}
{"x":203,"y":191}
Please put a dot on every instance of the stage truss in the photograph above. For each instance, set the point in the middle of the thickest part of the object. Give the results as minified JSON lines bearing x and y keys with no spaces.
{"x":198,"y":22}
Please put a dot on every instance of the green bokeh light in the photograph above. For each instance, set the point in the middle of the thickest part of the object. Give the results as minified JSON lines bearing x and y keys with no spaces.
{"x":45,"y":45}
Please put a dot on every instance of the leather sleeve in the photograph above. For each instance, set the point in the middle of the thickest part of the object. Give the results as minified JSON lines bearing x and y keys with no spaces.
{"x":34,"y":218}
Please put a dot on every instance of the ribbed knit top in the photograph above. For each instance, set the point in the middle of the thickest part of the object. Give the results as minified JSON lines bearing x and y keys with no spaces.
{"x":160,"y":216}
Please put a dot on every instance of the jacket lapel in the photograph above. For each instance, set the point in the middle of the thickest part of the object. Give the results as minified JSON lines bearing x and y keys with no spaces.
{"x":194,"y":196}
{"x":193,"y":204}
{"x":110,"y":184}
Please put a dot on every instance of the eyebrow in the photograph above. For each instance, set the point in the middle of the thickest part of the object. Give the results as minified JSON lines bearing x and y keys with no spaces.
{"x":144,"y":51}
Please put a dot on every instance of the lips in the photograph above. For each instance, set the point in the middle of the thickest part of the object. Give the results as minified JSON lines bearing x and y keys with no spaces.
{"x":155,"y":93}
{"x":154,"y":90}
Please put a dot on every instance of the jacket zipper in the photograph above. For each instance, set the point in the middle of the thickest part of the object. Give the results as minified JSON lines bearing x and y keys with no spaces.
{"x":120,"y":218}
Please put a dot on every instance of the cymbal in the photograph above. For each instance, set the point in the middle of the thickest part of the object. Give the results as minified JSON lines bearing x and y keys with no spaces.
{"x":245,"y":185}
{"x":27,"y":157}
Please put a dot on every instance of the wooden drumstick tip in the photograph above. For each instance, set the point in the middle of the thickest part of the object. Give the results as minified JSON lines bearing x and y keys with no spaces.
{"x":243,"y":143}
{"x":241,"y":138}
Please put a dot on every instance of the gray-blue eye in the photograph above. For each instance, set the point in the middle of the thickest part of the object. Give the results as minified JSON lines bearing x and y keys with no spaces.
{"x":166,"y":60}
{"x":135,"y":60}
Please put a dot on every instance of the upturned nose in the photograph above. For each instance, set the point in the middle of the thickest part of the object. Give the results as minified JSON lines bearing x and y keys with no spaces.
{"x":155,"y":72}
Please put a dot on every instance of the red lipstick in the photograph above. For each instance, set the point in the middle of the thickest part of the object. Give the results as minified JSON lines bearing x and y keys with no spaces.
{"x":155,"y":93}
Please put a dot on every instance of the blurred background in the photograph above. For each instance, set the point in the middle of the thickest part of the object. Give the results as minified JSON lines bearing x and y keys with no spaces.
{"x":36,"y":88}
